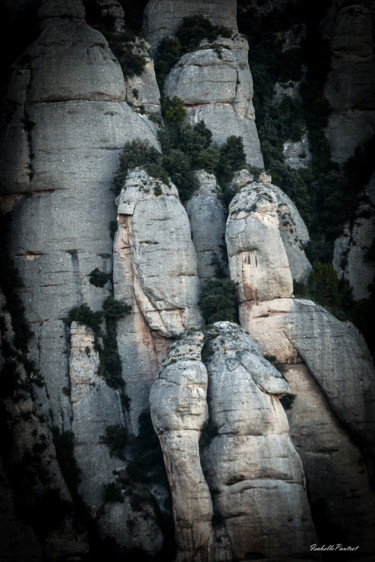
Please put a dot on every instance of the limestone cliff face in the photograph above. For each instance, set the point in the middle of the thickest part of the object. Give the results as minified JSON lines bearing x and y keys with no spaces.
{"x":266,"y":428}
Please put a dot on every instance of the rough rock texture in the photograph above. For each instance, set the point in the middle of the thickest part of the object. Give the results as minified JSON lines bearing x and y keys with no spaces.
{"x":96,"y":407}
{"x":207,"y":223}
{"x":179,"y":411}
{"x":162,"y":17}
{"x":216,"y":87}
{"x":247,"y":459}
{"x":334,"y":466}
{"x":352,"y":247}
{"x":254,"y":472}
{"x":75,"y":129}
{"x":334,"y":352}
{"x":350,"y":87}
{"x":270,"y":205}
{"x":143,"y":91}
{"x":258,"y":261}
{"x":155,"y":271}
{"x":297,"y":154}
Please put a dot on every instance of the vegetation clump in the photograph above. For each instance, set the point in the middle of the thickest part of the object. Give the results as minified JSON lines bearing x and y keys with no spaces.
{"x":147,"y":464}
{"x":192,"y":31}
{"x":116,"y":438}
{"x":98,"y":278}
{"x":218,"y":301}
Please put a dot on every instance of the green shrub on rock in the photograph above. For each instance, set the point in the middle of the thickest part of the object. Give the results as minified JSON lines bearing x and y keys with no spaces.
{"x":218,"y":301}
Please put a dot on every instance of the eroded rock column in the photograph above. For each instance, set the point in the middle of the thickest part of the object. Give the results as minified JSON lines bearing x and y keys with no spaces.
{"x":179,"y":411}
{"x":155,"y":271}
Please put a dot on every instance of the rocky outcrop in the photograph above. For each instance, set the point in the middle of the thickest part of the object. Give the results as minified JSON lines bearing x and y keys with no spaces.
{"x":97,"y":408}
{"x":60,"y":233}
{"x":216,"y":86}
{"x":265,"y":236}
{"x":162,"y":18}
{"x":246,"y":459}
{"x":155,"y":271}
{"x":269,"y":205}
{"x":350,"y":87}
{"x":207,"y":223}
{"x":179,"y":411}
{"x":322,"y":355}
{"x":352,"y":248}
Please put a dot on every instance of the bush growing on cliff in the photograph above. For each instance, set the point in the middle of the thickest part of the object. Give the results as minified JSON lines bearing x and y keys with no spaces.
{"x":116,"y":438}
{"x":218,"y":301}
{"x":231,"y":159}
{"x":139,"y":154}
{"x":147,"y":464}
{"x":189,"y":34}
{"x":84,"y":315}
{"x":98,"y":278}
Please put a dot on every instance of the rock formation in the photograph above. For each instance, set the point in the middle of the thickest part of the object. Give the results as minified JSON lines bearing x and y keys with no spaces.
{"x":199,"y":77}
{"x":246,"y":472}
{"x":266,"y":428}
{"x":155,"y":272}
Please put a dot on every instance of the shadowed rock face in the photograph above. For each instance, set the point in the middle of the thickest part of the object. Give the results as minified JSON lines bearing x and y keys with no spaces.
{"x":162,"y":18}
{"x":350,"y":87}
{"x":207,"y":222}
{"x":246,"y":460}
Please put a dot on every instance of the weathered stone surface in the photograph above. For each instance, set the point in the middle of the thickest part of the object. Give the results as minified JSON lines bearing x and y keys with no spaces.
{"x":337,"y":483}
{"x":179,"y":410}
{"x":207,"y":223}
{"x":61,"y":233}
{"x":297,"y":153}
{"x":334,"y":352}
{"x":269,"y":201}
{"x":162,"y":17}
{"x":97,"y":406}
{"x":216,"y":87}
{"x":248,"y":461}
{"x":155,"y":272}
{"x":258,"y":262}
{"x":164,"y":260}
{"x":351,"y":248}
{"x":143,"y":90}
{"x":253,"y":470}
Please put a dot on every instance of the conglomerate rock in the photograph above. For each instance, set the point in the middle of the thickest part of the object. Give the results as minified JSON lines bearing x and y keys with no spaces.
{"x":331,"y":373}
{"x":272,"y":206}
{"x":155,"y":272}
{"x":246,"y":459}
